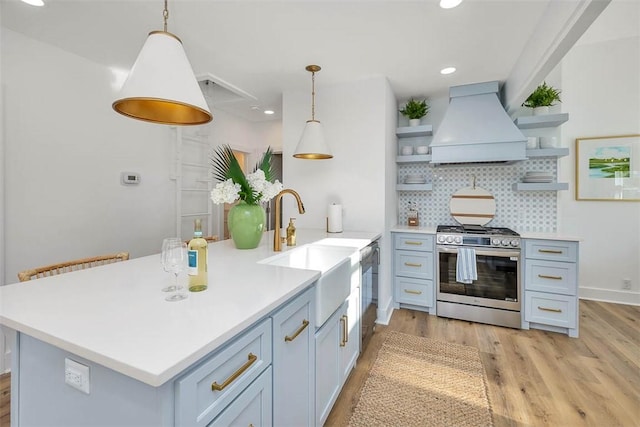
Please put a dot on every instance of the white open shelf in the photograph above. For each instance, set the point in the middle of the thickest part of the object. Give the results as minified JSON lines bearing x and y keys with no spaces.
{"x":534,"y":186}
{"x":414,"y":131}
{"x":544,"y":121}
{"x":415,"y":187}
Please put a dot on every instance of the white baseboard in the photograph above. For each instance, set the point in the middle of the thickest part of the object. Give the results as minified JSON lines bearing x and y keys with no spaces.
{"x":610,"y":295}
{"x":384,"y":313}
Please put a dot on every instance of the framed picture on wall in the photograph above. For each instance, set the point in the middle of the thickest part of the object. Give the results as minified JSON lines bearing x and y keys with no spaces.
{"x":608,"y":168}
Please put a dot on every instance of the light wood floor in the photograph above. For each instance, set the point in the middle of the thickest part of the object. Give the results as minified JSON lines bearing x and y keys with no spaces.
{"x":536,"y":378}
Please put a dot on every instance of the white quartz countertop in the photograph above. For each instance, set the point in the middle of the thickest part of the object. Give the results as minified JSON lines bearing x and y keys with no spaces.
{"x":549,"y":236}
{"x":116,"y":315}
{"x":413,"y":229}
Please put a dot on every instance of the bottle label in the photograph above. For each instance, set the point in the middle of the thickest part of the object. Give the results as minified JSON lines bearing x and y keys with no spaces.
{"x":193,"y":263}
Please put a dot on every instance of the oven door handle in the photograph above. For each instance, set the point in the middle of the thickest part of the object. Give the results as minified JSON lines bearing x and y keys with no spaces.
{"x":496,"y":253}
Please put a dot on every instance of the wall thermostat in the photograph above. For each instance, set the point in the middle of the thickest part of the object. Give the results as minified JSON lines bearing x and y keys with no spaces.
{"x":130,"y":178}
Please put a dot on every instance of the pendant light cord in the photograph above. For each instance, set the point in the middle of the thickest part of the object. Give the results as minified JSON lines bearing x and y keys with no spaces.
{"x":313,"y":96}
{"x":165,"y":14}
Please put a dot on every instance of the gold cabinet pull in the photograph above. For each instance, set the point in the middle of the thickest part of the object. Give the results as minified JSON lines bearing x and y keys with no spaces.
{"x":412,"y":242}
{"x":553,"y":310}
{"x":412,"y":264}
{"x":346,"y":329}
{"x":251,"y":360}
{"x":343,"y":340}
{"x":544,"y":276}
{"x":549,"y":251}
{"x":305,"y":323}
{"x":411,"y":291}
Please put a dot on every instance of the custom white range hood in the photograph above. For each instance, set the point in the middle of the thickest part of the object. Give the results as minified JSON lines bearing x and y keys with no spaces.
{"x":477,"y":129}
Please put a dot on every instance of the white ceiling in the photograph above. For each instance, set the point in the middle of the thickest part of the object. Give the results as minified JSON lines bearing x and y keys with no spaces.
{"x":262,"y":47}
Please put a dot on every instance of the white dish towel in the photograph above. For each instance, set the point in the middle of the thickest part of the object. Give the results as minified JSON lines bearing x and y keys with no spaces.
{"x":466,"y":271}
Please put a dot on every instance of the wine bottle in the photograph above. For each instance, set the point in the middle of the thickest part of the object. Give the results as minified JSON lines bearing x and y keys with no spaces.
{"x":198,"y":251}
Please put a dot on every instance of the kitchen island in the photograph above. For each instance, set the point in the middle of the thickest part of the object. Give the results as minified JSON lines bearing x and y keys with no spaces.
{"x":115,"y":319}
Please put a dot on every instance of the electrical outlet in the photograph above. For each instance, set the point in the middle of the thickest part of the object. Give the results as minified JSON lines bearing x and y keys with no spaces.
{"x":626,"y":283}
{"x":76,"y":375}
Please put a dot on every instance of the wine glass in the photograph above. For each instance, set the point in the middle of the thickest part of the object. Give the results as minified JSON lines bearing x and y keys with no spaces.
{"x":174,"y":258}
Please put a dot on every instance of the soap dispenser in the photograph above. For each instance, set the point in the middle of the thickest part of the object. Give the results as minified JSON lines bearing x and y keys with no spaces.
{"x":291,"y":233}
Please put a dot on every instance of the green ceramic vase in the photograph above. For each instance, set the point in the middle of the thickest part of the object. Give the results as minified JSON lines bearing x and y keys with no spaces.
{"x":246,"y":225}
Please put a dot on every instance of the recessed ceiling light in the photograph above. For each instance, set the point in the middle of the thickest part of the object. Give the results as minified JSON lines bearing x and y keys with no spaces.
{"x":34,"y":2}
{"x":449,"y":4}
{"x":269,"y":112}
{"x":448,"y":70}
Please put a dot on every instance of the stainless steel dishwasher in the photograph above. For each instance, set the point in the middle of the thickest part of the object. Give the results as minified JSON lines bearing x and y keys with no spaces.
{"x":369,"y":261}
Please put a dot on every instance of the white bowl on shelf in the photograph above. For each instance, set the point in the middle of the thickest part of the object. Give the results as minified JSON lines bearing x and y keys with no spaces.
{"x":422,"y":149}
{"x":406,"y":150}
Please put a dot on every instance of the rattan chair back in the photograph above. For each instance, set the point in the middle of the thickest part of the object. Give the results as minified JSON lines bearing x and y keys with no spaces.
{"x":68,"y":266}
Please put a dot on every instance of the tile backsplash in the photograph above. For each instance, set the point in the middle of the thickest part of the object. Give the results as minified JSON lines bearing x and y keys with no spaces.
{"x":532,"y":211}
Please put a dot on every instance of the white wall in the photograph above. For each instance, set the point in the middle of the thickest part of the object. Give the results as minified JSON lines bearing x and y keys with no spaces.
{"x":355,"y":116}
{"x":601,"y":93}
{"x":64,"y":150}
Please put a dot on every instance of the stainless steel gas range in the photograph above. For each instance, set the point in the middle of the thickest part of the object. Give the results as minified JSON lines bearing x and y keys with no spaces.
{"x":493,"y":294}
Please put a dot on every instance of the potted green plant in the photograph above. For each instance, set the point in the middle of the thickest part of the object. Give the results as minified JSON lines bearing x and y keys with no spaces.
{"x":542,"y":98}
{"x":415,"y":110}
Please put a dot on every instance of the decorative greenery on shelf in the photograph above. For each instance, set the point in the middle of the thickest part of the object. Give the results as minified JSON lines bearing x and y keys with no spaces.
{"x":257,"y":187}
{"x":543,"y":96}
{"x":414,"y":109}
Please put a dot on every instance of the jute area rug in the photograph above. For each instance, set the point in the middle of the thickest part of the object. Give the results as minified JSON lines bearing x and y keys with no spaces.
{"x":419,"y":381}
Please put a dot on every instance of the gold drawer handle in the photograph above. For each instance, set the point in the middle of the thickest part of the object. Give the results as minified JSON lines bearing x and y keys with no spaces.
{"x":346,"y":328}
{"x":409,"y":291}
{"x":251,"y":360}
{"x":412,"y":264}
{"x":411,"y":242}
{"x":343,"y":341}
{"x":544,"y":276}
{"x":305,"y":323}
{"x":549,"y":251}
{"x":553,"y":310}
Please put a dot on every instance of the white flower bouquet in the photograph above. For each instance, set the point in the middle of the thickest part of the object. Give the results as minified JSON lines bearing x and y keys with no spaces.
{"x":254,"y":188}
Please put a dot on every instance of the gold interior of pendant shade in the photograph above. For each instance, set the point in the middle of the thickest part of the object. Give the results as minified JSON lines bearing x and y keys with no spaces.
{"x":313,"y":156}
{"x":161,"y":87}
{"x":161,"y":111}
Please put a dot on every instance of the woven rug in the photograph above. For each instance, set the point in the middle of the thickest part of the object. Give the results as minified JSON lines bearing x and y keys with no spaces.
{"x":424,"y":382}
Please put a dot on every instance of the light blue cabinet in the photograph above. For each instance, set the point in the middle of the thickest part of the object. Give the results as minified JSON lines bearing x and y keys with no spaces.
{"x":414,"y":271}
{"x":350,"y":350}
{"x":330,"y":339}
{"x":294,"y":363}
{"x":253,"y":406}
{"x":209,"y":388}
{"x":551,"y":285}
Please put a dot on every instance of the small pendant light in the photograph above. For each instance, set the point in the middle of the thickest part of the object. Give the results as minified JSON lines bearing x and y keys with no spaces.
{"x":161,"y":87}
{"x":311,"y":145}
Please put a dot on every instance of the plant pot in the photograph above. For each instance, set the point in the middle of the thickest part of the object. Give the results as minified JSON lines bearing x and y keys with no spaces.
{"x":541,"y":111}
{"x":414,"y":122}
{"x":246,"y":225}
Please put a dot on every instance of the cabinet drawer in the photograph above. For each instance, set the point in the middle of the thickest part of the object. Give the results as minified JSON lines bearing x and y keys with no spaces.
{"x":551,"y":250}
{"x":414,"y":264}
{"x":414,"y":242}
{"x":251,"y":408}
{"x":551,"y":309}
{"x":549,"y":276}
{"x":414,"y":291}
{"x":231,"y":370}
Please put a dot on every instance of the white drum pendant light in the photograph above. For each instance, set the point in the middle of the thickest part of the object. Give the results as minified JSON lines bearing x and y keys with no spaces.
{"x":311,"y":145}
{"x":161,"y":87}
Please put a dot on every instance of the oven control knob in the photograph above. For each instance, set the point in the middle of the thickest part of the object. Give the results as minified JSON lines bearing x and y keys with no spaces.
{"x":505,"y":243}
{"x":449,"y":239}
{"x":495,"y":242}
{"x":515,"y":243}
{"x":458,"y":240}
{"x":441,"y":239}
